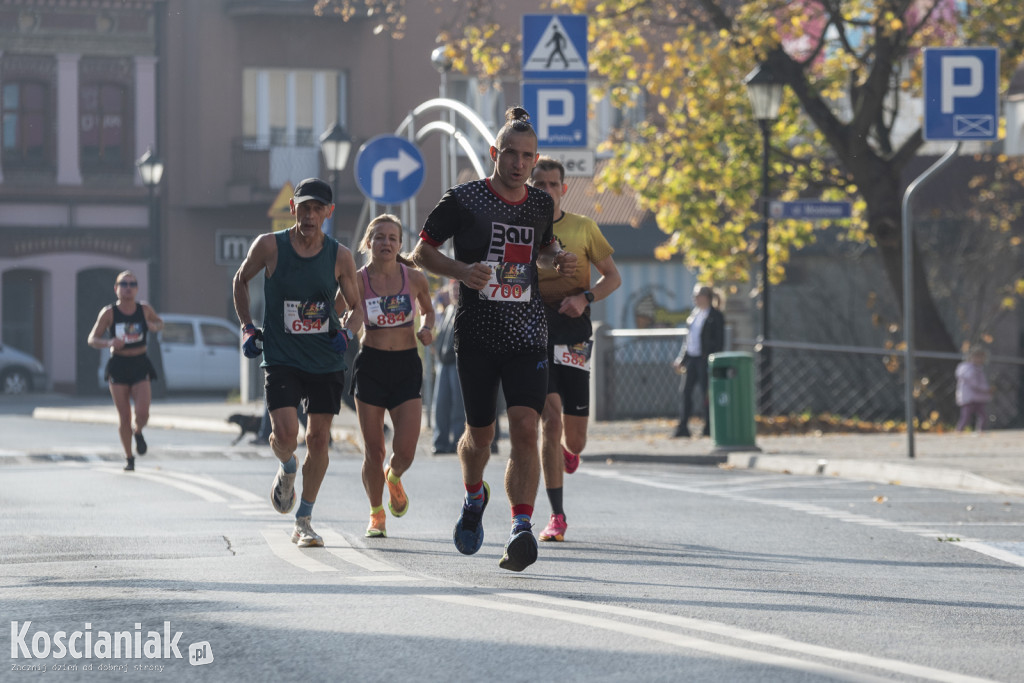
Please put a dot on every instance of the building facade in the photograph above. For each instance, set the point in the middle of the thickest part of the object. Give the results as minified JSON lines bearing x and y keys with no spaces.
{"x":78,"y":91}
{"x":232,"y":96}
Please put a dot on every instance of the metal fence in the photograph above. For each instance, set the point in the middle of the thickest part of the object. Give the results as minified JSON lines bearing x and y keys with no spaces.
{"x":633,"y":378}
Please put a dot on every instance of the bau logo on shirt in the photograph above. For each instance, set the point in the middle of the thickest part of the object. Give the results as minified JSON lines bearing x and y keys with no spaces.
{"x":511,"y":243}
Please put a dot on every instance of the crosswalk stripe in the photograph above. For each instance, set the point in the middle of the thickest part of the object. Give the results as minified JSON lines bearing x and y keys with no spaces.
{"x":239,"y":493}
{"x":337,"y":545}
{"x":205,"y":494}
{"x":280,"y":542}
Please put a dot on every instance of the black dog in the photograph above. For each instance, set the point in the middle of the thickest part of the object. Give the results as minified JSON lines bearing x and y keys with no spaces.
{"x":247,"y":423}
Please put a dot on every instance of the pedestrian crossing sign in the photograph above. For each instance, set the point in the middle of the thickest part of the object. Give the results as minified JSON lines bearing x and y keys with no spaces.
{"x":555,"y":46}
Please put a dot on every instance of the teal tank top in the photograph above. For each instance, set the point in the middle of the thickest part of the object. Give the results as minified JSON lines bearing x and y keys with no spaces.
{"x":298,"y":312}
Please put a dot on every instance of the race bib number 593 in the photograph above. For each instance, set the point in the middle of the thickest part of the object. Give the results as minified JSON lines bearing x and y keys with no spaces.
{"x":306,"y":317}
{"x":509,"y":282}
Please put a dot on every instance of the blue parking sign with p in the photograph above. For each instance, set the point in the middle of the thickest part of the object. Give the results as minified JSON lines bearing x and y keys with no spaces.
{"x":961,"y":93}
{"x":559,"y":113}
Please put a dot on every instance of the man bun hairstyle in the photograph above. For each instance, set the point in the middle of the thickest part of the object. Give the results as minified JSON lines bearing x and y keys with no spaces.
{"x":517,"y":120}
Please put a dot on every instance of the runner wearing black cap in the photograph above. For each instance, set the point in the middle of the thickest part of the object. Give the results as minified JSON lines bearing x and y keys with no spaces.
{"x":310,"y":280}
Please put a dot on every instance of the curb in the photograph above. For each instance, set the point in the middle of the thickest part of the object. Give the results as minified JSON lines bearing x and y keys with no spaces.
{"x":193,"y":424}
{"x":881,"y":472}
{"x":694,"y":459}
{"x":108,"y":416}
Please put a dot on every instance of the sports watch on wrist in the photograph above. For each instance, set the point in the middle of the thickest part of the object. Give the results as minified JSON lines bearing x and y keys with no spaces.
{"x":589,"y":296}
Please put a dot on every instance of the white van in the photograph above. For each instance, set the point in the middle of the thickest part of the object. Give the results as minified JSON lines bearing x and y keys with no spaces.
{"x":199,"y":353}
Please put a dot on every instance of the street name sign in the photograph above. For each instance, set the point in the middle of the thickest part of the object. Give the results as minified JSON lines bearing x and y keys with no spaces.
{"x":389,"y":169}
{"x":578,"y":163}
{"x":961,"y":93}
{"x":810,"y":210}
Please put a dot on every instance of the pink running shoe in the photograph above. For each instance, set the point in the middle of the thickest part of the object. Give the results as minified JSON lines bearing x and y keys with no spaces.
{"x":572,"y":461}
{"x":555,"y":530}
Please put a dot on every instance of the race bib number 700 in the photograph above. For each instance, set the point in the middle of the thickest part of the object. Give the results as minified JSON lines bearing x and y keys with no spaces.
{"x":509,"y":282}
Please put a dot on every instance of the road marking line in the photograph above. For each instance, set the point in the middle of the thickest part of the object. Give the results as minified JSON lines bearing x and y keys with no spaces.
{"x":386,"y":578}
{"x":241,"y":494}
{"x":992,"y":551}
{"x":757,"y":637}
{"x":337,"y":545}
{"x":667,"y":637}
{"x":280,"y":542}
{"x":807,"y":508}
{"x":205,"y":494}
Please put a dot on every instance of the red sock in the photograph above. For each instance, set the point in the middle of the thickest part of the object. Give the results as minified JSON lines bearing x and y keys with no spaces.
{"x":522,"y":509}
{"x":475,"y":491}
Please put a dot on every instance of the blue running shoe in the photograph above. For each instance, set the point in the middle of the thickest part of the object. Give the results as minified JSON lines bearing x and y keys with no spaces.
{"x":469,"y":532}
{"x":521,"y":549}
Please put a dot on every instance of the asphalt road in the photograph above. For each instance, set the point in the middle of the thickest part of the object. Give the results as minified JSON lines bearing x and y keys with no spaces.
{"x":668,"y":573}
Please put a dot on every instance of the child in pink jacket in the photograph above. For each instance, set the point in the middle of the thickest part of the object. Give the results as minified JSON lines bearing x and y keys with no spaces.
{"x":972,"y":389}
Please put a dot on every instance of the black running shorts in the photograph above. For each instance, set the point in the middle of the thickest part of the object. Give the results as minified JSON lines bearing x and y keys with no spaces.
{"x":571,"y":383}
{"x":129,"y":369}
{"x":387,"y":379}
{"x":523,"y":376}
{"x":287,"y":387}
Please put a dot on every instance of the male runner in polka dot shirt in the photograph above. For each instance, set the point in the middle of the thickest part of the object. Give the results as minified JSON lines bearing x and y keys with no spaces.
{"x":501,"y":232}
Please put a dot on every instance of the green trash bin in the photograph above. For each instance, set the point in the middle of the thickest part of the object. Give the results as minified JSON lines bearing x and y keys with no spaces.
{"x":731,"y":400}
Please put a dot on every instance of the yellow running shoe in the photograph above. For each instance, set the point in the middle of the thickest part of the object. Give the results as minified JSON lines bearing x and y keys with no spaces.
{"x":376,"y":528}
{"x":398,"y":502}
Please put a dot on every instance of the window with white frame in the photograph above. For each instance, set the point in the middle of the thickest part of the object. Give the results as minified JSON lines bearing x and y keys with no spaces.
{"x":290,"y":107}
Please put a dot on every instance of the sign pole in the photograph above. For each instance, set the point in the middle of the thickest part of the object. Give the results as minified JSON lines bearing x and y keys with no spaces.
{"x":908,"y":288}
{"x":961,"y":102}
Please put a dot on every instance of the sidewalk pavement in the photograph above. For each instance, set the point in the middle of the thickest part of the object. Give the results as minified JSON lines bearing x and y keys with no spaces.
{"x":991,"y":462}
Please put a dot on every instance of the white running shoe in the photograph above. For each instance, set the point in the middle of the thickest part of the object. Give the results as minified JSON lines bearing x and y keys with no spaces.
{"x":282,"y":494}
{"x":304,"y":536}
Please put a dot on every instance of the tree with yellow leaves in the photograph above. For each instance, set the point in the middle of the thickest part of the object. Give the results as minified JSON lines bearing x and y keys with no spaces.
{"x":852,"y":70}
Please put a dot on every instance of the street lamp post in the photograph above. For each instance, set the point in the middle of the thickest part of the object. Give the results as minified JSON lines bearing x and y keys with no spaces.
{"x":336,"y":145}
{"x":443,"y":64}
{"x":765,"y":91}
{"x":151,"y":170}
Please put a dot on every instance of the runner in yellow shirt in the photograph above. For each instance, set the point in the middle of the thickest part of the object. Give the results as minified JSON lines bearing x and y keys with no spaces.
{"x":567,"y":304}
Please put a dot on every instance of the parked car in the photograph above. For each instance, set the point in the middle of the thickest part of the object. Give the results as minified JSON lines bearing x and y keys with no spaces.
{"x":20,"y":372}
{"x":199,"y":353}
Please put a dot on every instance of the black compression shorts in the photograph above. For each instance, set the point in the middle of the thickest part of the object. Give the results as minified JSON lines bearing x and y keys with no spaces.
{"x":523,"y":377}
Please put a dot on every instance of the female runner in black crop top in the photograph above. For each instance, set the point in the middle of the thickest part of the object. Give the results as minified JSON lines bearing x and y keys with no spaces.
{"x":129,"y":369}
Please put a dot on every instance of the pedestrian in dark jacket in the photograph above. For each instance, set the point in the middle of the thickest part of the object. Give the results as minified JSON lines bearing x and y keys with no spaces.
{"x":706,"y":336}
